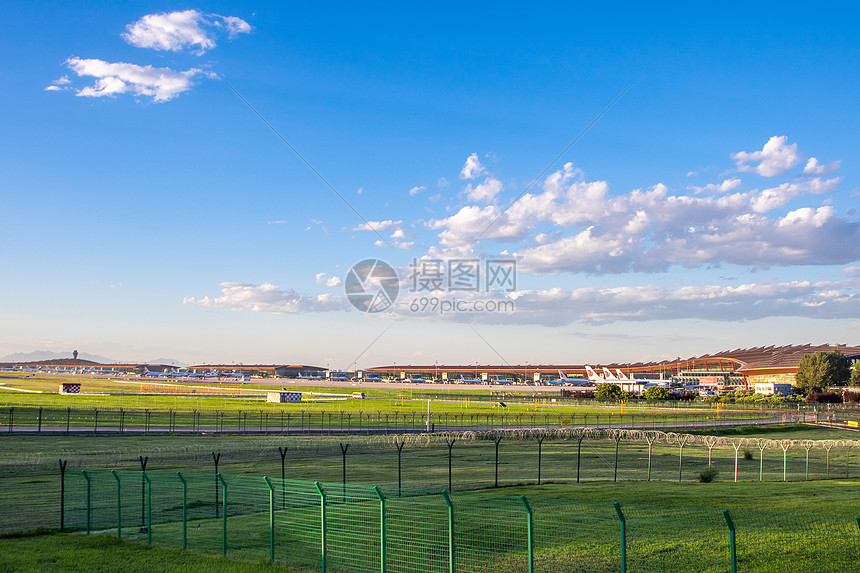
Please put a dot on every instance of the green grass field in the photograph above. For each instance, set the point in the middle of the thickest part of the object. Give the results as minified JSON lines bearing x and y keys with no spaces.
{"x":674,"y":525}
{"x":671,"y":527}
{"x":62,"y":553}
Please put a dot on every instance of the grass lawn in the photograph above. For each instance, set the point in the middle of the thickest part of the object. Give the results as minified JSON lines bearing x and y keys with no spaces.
{"x":103,"y":553}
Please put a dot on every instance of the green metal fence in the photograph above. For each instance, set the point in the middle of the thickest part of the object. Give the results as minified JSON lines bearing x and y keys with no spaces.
{"x":336,"y":527}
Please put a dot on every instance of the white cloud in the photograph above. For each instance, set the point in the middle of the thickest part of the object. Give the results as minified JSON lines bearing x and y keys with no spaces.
{"x":813,"y":168}
{"x":279,"y":222}
{"x":324,"y":279}
{"x":473,"y":168}
{"x":416,"y":190}
{"x":161,"y":84}
{"x":188,"y":29}
{"x":267,"y":298}
{"x":584,"y":228}
{"x":484,"y":192}
{"x":707,"y":302}
{"x":442,"y":182}
{"x":724,"y":187}
{"x":379,"y":225}
{"x":775,"y":158}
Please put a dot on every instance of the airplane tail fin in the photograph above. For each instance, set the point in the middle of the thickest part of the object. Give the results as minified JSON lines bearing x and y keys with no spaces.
{"x":592,"y":375}
{"x":607,"y":375}
{"x":621,"y":375}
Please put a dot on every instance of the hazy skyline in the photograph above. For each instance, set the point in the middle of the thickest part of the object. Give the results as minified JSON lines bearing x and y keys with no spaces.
{"x":195,"y":181}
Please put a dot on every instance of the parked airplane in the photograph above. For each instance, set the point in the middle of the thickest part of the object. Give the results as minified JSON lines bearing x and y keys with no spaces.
{"x":465,"y":380}
{"x":624,"y":378}
{"x":303,"y":377}
{"x":562,"y":379}
{"x":155,"y":374}
{"x":607,"y":378}
{"x":338,"y":377}
{"x":239,"y":375}
{"x":372,"y":379}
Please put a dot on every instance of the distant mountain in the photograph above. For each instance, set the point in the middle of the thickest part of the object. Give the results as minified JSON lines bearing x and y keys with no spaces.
{"x":168,"y":362}
{"x":38,"y":355}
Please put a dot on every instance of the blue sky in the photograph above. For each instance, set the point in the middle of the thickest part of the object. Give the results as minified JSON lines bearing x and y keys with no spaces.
{"x":149,"y":211}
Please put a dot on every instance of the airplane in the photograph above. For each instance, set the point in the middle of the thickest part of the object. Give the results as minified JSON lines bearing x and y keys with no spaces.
{"x":239,"y":375}
{"x":465,"y":380}
{"x":372,"y":379}
{"x":302,"y":377}
{"x":212,"y":374}
{"x":155,"y":374}
{"x":187,"y":374}
{"x":595,"y":378}
{"x":562,"y":379}
{"x":624,"y":378}
{"x":111,"y":371}
{"x":338,"y":378}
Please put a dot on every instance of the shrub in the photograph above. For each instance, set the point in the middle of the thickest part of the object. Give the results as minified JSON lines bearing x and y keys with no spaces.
{"x":608,"y":392}
{"x":707,"y":475}
{"x":825,"y":397}
{"x":656,"y":393}
{"x":851,"y":397}
{"x":748,"y":455}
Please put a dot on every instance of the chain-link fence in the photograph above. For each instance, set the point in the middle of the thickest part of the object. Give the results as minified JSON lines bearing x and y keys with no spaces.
{"x":271,"y":420}
{"x":30,"y":481}
{"x":340,"y":527}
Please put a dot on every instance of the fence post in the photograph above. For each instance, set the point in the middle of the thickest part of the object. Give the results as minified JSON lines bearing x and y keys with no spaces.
{"x":540,"y":446}
{"x":450,"y":531}
{"x":216,"y":459}
{"x":63,"y":495}
{"x":343,"y":450}
{"x":623,"y":536}
{"x":148,"y":508}
{"x":381,"y":528}
{"x":118,"y":506}
{"x":322,"y":524}
{"x":615,"y":469}
{"x":271,"y":519}
{"x":143,"y":461}
{"x":578,"y":452}
{"x":399,"y":450}
{"x":11,"y":418}
{"x":283,"y":452}
{"x":531,"y":534}
{"x":496,"y":482}
{"x":40,"y":419}
{"x":89,"y":500}
{"x":184,"y":511}
{"x":732,"y":547}
{"x":450,"y":445}
{"x":224,"y":512}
